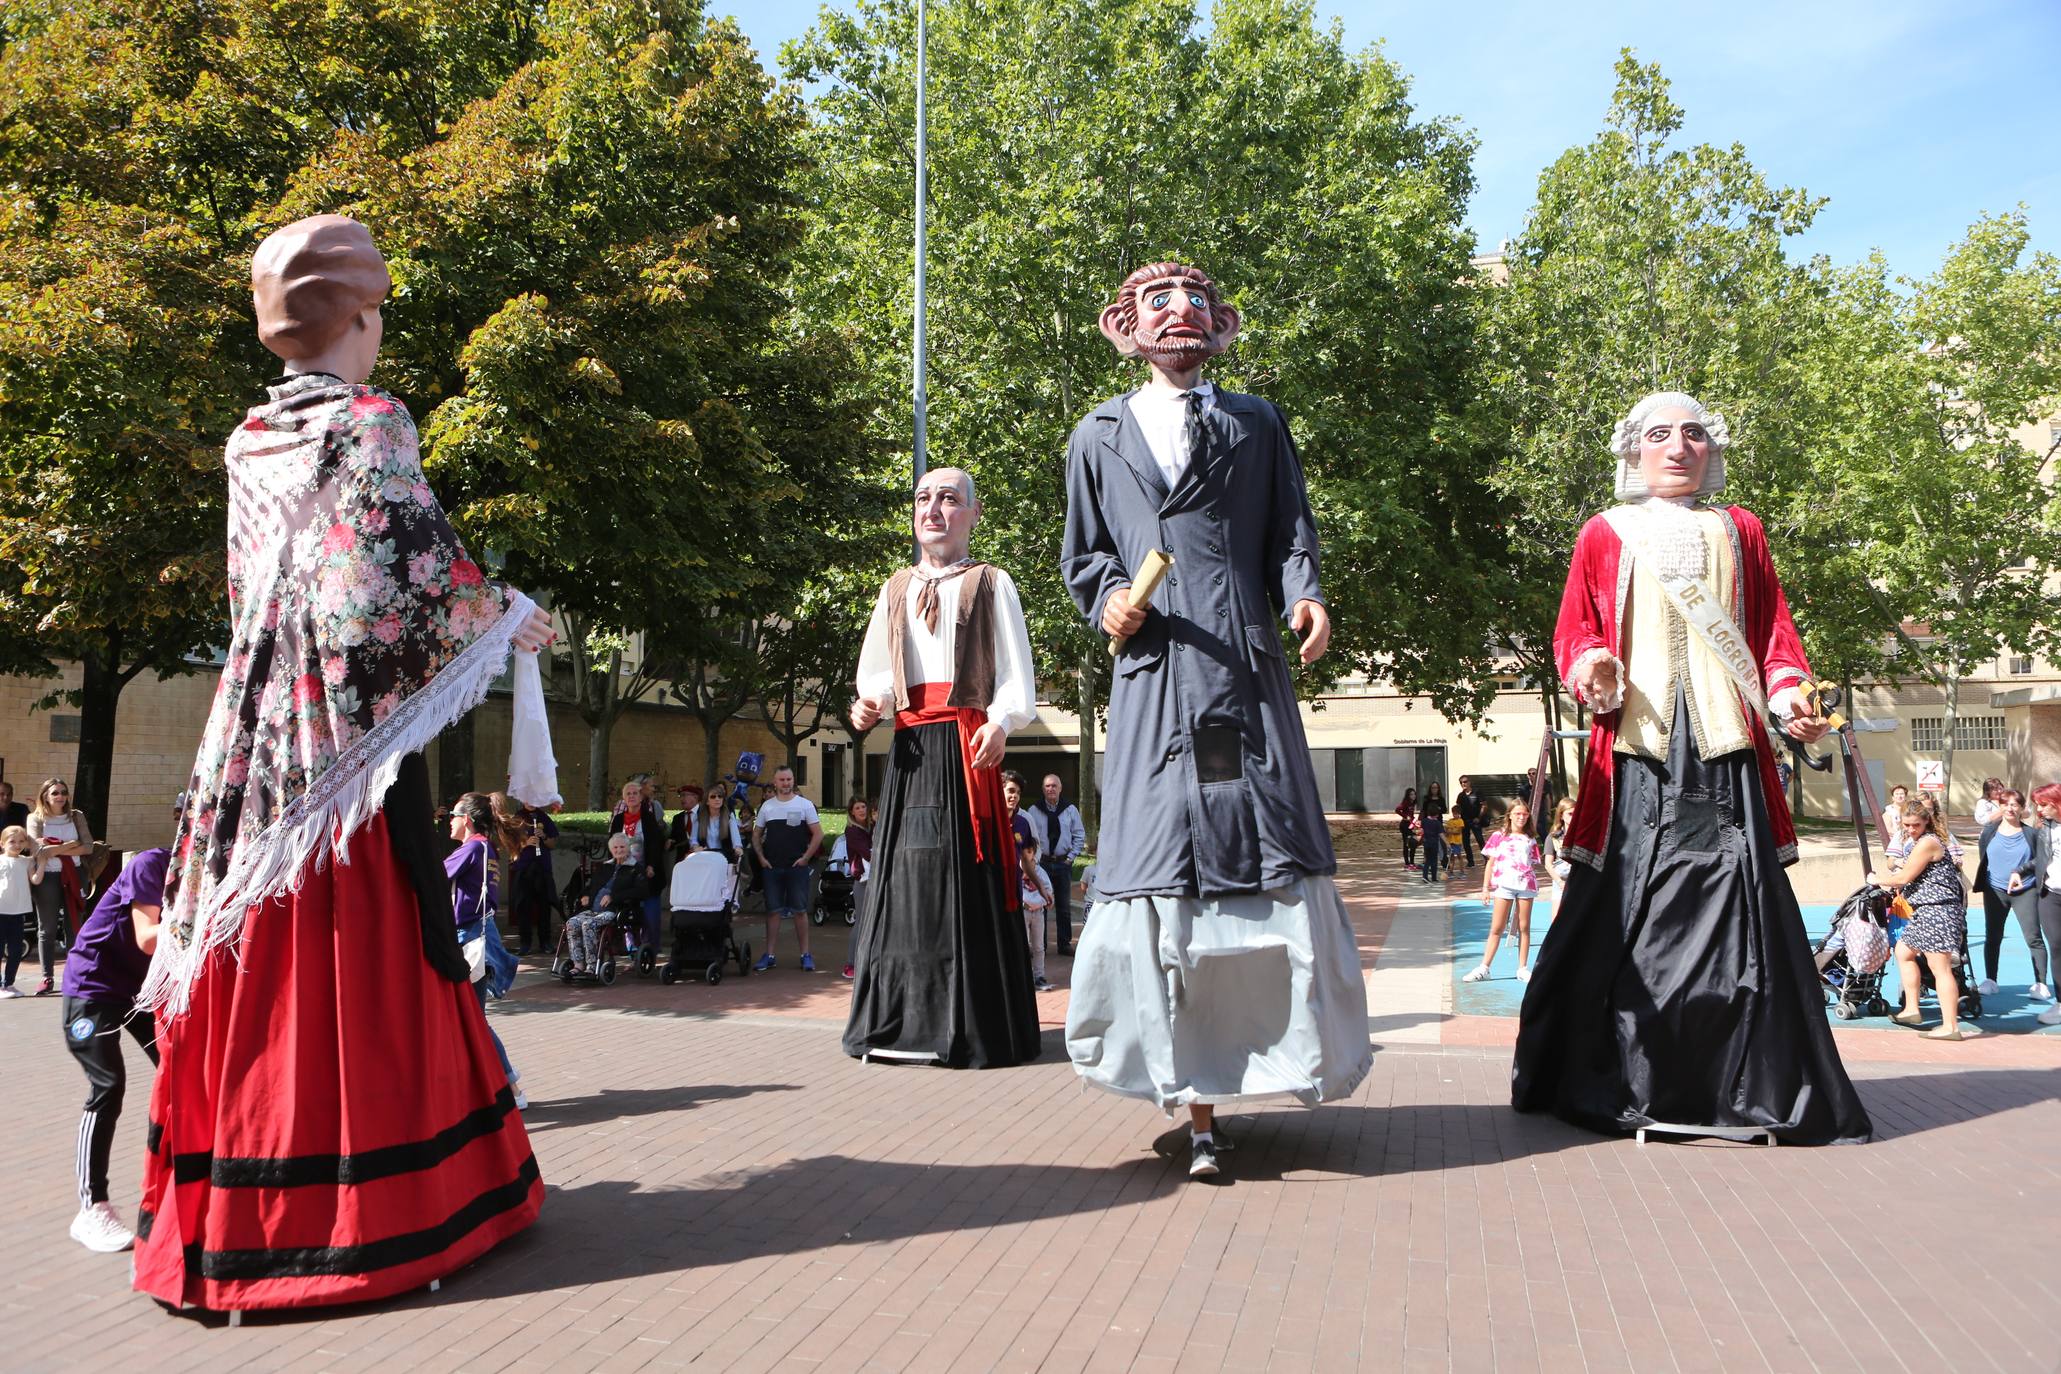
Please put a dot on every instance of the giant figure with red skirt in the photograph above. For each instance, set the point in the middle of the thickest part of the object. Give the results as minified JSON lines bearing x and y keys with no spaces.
{"x":941,"y":969}
{"x":330,"y":1122}
{"x":1675,"y":986}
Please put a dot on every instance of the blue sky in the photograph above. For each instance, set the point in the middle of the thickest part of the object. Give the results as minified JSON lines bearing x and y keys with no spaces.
{"x":1912,"y":116}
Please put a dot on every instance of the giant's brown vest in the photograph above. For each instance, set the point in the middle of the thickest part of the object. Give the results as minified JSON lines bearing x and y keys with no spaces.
{"x":973,"y":648}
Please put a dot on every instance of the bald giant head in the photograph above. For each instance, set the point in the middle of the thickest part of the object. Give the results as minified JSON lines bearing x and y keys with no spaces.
{"x":945,"y":512}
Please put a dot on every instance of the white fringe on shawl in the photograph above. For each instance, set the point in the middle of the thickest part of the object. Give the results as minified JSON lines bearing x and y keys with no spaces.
{"x":319,"y":823}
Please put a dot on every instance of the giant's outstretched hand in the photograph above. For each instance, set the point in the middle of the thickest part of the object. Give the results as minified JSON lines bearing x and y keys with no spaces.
{"x":1598,"y":681}
{"x":1313,"y":621}
{"x":988,"y":743}
{"x":536,"y":630}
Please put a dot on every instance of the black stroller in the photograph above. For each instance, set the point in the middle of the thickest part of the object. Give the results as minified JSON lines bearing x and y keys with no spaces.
{"x":1850,"y":992}
{"x":836,"y":895}
{"x":703,"y":899}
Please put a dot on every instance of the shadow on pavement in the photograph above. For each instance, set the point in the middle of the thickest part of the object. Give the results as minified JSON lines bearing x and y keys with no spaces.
{"x":613,"y":1230}
{"x":1911,"y":1104}
{"x":616,"y":1104}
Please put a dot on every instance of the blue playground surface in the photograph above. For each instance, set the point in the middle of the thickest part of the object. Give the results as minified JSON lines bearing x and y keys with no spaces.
{"x":2005,"y":1012}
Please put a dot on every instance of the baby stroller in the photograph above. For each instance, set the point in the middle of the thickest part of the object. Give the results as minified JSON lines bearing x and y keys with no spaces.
{"x":1851,"y":959}
{"x":836,"y":893}
{"x":703,"y":899}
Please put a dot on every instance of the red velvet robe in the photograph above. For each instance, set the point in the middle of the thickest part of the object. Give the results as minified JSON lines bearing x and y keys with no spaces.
{"x":1592,"y":611}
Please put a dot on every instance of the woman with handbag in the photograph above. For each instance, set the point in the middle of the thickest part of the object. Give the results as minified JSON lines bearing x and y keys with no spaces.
{"x":476,"y":909}
{"x":1406,"y":818}
{"x":63,"y":841}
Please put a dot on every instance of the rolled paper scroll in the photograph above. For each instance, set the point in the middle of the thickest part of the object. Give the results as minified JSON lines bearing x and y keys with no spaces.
{"x":1143,"y":587}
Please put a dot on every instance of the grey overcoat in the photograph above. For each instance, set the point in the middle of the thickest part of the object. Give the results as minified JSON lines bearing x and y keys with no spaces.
{"x":1206,"y":786}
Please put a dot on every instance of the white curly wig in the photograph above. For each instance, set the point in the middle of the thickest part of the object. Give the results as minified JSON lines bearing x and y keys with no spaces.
{"x":1631,"y":486}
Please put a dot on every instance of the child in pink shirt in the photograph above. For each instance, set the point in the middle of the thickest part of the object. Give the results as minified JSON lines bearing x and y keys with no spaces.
{"x":1510,"y":877}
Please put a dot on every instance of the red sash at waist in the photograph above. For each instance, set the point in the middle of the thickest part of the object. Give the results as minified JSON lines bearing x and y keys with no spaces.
{"x":993,"y":840}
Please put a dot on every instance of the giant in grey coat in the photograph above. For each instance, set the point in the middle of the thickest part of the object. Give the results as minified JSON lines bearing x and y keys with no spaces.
{"x":1207,"y":789}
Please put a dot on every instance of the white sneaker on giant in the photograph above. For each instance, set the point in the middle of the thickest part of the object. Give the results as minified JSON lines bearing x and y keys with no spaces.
{"x":1987,"y":987}
{"x":100,"y":1230}
{"x":2051,"y":1016}
{"x":2042,"y":993}
{"x":1476,"y":974}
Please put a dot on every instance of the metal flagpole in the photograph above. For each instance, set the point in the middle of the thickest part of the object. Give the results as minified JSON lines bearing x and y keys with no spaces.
{"x":921,"y":394}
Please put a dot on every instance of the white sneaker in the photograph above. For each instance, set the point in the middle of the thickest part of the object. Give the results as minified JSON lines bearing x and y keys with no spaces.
{"x":2042,"y":993}
{"x":1479,"y":972}
{"x":10,"y":991}
{"x":2051,"y":1016}
{"x":522,"y":1100}
{"x":1987,"y":987}
{"x":1524,"y":973}
{"x":100,"y":1230}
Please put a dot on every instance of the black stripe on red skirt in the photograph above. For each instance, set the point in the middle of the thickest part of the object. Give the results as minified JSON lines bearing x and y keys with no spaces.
{"x":319,"y":1261}
{"x":374,"y":1255}
{"x":305,"y":1171}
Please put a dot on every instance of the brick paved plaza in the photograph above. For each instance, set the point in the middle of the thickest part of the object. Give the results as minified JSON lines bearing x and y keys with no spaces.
{"x":727,"y":1191}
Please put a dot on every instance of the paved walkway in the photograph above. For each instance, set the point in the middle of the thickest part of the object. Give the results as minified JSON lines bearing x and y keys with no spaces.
{"x":729,"y":1192}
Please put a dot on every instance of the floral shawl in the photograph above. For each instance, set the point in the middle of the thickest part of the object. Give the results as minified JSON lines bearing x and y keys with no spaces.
{"x":359,"y":630}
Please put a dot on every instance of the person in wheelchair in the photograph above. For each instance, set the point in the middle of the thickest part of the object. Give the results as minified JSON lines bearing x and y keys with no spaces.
{"x":616,"y":892}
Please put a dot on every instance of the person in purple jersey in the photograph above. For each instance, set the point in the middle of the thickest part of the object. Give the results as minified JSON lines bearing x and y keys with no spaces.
{"x":102,"y":975}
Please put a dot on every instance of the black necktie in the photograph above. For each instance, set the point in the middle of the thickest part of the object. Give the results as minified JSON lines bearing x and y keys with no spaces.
{"x":1193,"y":436}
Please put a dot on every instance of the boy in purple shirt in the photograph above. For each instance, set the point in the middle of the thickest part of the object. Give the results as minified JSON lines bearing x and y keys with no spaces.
{"x":102,"y":975}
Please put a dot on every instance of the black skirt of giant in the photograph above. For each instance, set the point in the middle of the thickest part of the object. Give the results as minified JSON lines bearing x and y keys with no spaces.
{"x":941,"y":966}
{"x":1676,"y":985}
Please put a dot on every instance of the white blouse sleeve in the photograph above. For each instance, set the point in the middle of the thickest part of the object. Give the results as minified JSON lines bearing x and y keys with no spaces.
{"x":1016,"y":686}
{"x":876,"y":677}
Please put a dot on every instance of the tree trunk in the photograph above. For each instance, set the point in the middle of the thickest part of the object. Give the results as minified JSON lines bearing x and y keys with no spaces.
{"x":1953,"y":713}
{"x":711,"y":753}
{"x":600,"y":704}
{"x":1086,"y":796}
{"x":599,"y":732}
{"x":456,"y":759}
{"x":99,"y":696}
{"x":1556,"y":771}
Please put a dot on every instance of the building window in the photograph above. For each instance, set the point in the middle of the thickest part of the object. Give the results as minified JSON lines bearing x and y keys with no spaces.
{"x":1981,"y":732}
{"x":1928,"y":733}
{"x":2020,"y":664}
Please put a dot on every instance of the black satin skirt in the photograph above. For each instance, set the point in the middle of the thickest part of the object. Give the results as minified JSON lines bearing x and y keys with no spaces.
{"x":941,"y":967}
{"x":1676,"y":985}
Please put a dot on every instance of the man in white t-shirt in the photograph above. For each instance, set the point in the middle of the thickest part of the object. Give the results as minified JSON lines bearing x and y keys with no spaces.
{"x":785,"y":834}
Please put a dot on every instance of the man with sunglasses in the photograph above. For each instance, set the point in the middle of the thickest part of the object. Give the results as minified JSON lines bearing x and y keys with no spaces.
{"x":1675,"y":987}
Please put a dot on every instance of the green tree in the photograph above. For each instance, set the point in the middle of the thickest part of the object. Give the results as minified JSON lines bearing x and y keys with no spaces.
{"x":1072,"y":140}
{"x":139,"y":146}
{"x":1645,"y":267}
{"x":1955,"y":533}
{"x":591,"y":269}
